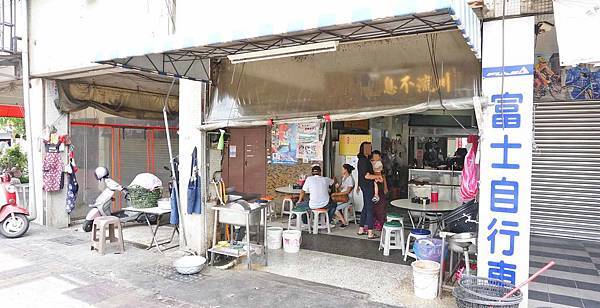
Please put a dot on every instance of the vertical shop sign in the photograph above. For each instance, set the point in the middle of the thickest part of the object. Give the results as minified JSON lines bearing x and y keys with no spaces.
{"x":505,"y":185}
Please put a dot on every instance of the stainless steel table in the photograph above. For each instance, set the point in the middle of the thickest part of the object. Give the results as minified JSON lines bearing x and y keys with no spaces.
{"x":219,"y":210}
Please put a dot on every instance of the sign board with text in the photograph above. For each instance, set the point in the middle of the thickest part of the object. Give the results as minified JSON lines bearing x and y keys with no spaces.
{"x":506,"y":138}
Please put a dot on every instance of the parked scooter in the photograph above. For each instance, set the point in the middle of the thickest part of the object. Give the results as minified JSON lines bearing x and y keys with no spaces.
{"x":14,"y":220}
{"x":102,"y":206}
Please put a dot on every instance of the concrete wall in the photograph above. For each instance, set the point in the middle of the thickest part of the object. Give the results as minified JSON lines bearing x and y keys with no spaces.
{"x":67,"y":35}
{"x":190,"y":106}
{"x":50,"y":207}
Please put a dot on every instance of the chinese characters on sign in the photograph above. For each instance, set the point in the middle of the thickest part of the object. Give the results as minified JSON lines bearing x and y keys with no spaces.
{"x":505,"y":185}
{"x":408,"y":84}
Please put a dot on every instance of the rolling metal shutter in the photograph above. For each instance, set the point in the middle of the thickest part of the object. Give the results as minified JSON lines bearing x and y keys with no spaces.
{"x":565,"y":188}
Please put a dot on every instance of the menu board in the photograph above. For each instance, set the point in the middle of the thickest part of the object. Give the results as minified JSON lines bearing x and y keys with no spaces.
{"x":350,"y":144}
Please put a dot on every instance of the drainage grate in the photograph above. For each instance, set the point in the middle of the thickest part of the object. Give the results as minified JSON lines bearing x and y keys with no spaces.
{"x":170,"y":273}
{"x":68,"y":240}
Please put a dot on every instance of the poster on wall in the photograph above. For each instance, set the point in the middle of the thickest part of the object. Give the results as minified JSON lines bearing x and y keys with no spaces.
{"x":555,"y":83}
{"x":296,"y":142}
{"x":309,"y":147}
{"x":284,"y":146}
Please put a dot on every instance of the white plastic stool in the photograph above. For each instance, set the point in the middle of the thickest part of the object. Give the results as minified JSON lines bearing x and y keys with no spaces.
{"x":416,"y":234}
{"x":290,"y":205}
{"x":347,"y":213}
{"x":316,"y":220}
{"x":395,"y":217}
{"x":299,"y":224}
{"x":392,"y":237}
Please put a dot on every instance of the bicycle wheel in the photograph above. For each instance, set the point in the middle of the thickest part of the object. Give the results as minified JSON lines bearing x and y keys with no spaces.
{"x":555,"y":90}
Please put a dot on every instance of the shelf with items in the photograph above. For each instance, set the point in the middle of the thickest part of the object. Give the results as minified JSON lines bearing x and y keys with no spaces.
{"x":445,"y":182}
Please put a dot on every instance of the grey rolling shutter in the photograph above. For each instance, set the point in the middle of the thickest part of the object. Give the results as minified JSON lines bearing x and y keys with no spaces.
{"x":565,"y":188}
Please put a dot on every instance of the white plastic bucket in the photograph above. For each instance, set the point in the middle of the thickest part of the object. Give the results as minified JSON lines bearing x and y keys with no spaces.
{"x":291,"y":241}
{"x":426,"y":274}
{"x":274,"y":237}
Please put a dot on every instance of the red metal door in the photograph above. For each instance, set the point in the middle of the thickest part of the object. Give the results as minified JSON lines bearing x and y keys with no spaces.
{"x":245,"y":163}
{"x":255,"y":161}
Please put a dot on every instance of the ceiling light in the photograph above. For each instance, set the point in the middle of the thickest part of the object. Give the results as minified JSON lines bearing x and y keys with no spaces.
{"x":300,"y":50}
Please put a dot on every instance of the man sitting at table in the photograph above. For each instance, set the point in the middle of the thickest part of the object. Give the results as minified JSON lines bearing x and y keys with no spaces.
{"x":318,"y":188}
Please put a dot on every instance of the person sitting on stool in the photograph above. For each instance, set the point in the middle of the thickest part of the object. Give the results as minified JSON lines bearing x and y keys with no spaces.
{"x":318,"y":188}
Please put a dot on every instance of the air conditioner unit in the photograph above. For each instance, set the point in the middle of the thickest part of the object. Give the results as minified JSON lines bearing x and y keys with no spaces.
{"x":300,"y":50}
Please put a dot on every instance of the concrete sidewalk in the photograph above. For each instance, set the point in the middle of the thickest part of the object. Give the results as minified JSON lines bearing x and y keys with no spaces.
{"x":55,"y":268}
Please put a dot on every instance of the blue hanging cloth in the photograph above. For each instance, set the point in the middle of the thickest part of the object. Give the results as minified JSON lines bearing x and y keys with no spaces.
{"x":193,"y":195}
{"x":174,"y":208}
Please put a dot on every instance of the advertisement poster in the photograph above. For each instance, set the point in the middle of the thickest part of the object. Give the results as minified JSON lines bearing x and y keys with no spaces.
{"x":309,"y":147}
{"x":284,"y":146}
{"x":555,"y":83}
{"x":296,"y":142}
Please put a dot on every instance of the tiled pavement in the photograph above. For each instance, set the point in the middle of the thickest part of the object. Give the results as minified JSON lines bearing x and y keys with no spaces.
{"x":575,"y":279}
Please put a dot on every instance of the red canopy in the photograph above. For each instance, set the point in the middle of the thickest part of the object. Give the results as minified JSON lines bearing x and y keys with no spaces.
{"x":11,"y":111}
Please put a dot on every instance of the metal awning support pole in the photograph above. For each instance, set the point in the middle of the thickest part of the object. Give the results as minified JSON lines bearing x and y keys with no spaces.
{"x":173,"y":171}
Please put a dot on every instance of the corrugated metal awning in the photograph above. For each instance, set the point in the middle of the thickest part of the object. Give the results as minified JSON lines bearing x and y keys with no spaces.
{"x":183,"y":55}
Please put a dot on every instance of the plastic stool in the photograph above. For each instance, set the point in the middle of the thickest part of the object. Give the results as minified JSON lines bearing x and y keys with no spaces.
{"x":395,"y":217}
{"x":416,"y":234}
{"x":392,"y":237}
{"x":347,"y":212}
{"x":299,"y":223}
{"x":290,"y":205}
{"x":112,"y":224}
{"x":316,"y":221}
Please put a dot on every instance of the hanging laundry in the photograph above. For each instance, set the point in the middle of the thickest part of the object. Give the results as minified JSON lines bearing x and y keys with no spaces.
{"x":52,"y":172}
{"x":72,"y":190}
{"x":193,"y":197}
{"x":73,"y":185}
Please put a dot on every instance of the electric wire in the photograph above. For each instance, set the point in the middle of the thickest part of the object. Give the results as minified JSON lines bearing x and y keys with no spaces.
{"x":431,"y":48}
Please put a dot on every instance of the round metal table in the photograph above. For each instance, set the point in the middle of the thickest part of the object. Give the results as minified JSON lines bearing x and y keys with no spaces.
{"x":434,"y":207}
{"x":431,"y":208}
{"x":288,"y":190}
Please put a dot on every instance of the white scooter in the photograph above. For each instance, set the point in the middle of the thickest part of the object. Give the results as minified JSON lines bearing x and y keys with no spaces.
{"x":102,"y":206}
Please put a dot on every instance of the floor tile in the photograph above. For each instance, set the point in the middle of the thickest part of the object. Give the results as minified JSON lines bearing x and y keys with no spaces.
{"x":540,"y":296}
{"x":590,"y":294}
{"x":557,"y":267}
{"x":361,"y":248}
{"x":561,"y":282}
{"x":590,"y":303}
{"x":588,"y":286}
{"x":592,"y":249}
{"x":569,"y":276}
{"x":544,"y":260}
{"x":560,"y":256}
{"x":538,"y":287}
{"x":566,"y":291}
{"x":587,"y":271}
{"x":556,"y":245}
{"x":565,"y":300}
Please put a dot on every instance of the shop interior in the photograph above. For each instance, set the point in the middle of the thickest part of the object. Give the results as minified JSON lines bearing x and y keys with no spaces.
{"x":417,"y":110}
{"x":420,"y":152}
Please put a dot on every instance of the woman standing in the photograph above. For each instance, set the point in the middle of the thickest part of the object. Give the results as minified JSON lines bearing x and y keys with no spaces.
{"x":380,"y":205}
{"x":365,"y":183}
